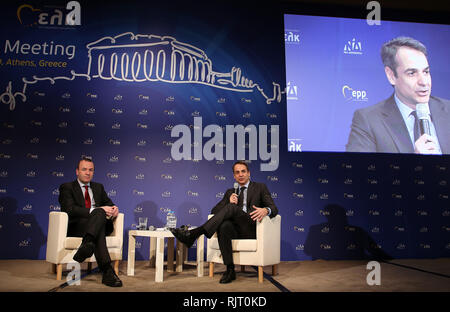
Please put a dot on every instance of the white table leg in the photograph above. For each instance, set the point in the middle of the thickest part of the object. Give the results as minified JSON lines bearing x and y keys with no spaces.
{"x":159,"y":271}
{"x":200,"y":255}
{"x":131,"y":254}
{"x":152,"y":252}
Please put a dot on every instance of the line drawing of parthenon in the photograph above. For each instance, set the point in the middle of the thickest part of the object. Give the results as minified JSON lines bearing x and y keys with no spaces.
{"x":138,"y":58}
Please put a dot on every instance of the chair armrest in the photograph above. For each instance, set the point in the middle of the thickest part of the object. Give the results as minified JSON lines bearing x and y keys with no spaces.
{"x":268,"y":225}
{"x":268,"y":222}
{"x":118,"y":226}
{"x":215,"y":234}
{"x":57,"y":233}
{"x":268,"y":235}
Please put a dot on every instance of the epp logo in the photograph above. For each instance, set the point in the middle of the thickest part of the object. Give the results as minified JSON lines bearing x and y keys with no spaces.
{"x":354,"y":95}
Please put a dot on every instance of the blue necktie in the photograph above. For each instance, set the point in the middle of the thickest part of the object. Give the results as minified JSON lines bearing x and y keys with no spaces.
{"x":416,"y":126}
{"x":241,"y":197}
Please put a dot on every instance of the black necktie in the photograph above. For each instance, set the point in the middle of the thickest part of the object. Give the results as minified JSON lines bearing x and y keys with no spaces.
{"x":241,"y":197}
{"x":416,"y":126}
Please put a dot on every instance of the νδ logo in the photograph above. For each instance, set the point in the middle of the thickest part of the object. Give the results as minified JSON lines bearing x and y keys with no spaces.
{"x":354,"y":95}
{"x":353,"y":47}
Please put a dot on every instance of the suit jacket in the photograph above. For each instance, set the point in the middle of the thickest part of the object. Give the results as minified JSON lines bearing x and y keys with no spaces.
{"x":257,"y":194}
{"x":381,"y":128}
{"x":72,"y":202}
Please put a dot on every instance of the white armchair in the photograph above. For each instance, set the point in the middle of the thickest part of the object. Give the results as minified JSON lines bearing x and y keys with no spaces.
{"x":262,"y":251}
{"x":61,"y":249}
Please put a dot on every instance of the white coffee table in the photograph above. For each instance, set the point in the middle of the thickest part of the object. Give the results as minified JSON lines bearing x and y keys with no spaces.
{"x":157,"y":252}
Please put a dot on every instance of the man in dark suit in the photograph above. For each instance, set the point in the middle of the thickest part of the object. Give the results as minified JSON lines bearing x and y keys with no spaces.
{"x":392,"y":125}
{"x":235,"y":217}
{"x":91,"y":213}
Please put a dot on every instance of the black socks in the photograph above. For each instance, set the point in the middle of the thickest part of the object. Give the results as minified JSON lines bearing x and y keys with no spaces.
{"x":104,"y":268}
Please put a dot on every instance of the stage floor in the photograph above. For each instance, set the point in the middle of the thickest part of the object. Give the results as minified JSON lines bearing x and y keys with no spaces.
{"x":403,"y":275}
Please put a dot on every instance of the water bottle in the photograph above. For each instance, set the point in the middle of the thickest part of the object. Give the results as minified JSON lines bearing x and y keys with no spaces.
{"x":171,"y":220}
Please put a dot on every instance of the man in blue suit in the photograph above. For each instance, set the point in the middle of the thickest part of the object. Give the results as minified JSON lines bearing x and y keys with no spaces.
{"x":388,"y":126}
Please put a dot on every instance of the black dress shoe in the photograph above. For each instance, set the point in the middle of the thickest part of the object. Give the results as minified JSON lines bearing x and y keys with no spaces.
{"x":111,"y":279}
{"x":228,"y":276}
{"x":85,"y":250}
{"x":183,"y":236}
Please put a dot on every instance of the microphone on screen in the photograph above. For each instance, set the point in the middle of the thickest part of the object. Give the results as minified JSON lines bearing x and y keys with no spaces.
{"x":423,"y":114}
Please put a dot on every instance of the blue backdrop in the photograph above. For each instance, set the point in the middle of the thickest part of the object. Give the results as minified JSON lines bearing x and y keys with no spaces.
{"x":115,"y":88}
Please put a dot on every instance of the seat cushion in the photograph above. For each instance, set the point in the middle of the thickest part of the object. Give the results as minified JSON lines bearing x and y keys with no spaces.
{"x":237,"y":244}
{"x":75,"y":242}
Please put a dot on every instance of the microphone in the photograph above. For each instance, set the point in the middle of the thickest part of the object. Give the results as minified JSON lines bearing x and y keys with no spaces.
{"x":236,"y":186}
{"x":423,"y":113}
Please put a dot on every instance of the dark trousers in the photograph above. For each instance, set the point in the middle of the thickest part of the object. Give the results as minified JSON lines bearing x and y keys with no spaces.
{"x":230,"y":222}
{"x":98,"y":227}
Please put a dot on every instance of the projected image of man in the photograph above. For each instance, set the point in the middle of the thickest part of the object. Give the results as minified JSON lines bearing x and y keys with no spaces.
{"x":411,"y":120}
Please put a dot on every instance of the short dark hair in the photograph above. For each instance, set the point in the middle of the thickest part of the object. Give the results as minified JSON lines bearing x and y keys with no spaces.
{"x":84,"y":158}
{"x":390,"y":48}
{"x":240,"y":162}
